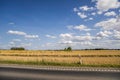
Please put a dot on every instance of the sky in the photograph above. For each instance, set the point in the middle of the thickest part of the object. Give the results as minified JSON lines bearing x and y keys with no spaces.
{"x":56,"y":24}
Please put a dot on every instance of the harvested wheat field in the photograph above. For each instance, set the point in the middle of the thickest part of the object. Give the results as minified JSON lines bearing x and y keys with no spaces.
{"x":81,"y":57}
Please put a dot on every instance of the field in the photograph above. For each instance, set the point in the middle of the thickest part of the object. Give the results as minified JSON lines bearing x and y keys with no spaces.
{"x":97,"y":58}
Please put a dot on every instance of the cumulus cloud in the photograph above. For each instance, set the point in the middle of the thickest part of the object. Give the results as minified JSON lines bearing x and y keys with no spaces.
{"x":23,"y":34}
{"x":81,"y":15}
{"x":86,"y":8}
{"x":82,"y":11}
{"x":65,"y":38}
{"x":82,"y":27}
{"x":103,"y":34}
{"x":16,"y":32}
{"x":50,"y":36}
{"x":110,"y":24}
{"x":116,"y":35}
{"x":31,"y":36}
{"x":66,"y":35}
{"x":83,"y":38}
{"x":112,"y":13}
{"x":72,"y":39}
{"x":105,"y":5}
{"x":79,"y":27}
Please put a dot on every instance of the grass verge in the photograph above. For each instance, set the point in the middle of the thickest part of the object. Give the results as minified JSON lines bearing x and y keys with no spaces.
{"x":45,"y":63}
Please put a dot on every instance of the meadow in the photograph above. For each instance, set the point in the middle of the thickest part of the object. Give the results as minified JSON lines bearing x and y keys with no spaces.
{"x":95,"y":58}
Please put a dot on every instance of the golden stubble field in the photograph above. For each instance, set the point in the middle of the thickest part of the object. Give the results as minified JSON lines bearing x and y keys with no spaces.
{"x":87,"y":57}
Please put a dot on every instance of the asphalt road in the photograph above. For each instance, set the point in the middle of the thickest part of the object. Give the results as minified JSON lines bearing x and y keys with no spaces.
{"x":9,"y":73}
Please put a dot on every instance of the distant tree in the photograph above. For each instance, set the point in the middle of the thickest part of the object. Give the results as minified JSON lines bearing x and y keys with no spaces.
{"x":68,"y":49}
{"x":17,"y":48}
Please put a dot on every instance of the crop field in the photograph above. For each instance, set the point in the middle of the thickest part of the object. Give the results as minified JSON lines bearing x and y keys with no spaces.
{"x":100,"y":58}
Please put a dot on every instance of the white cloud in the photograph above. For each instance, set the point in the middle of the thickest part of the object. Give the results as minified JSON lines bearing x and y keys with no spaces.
{"x":66,"y":39}
{"x":82,"y":38}
{"x":31,"y":36}
{"x":65,"y":42}
{"x":103,"y":34}
{"x":49,"y":36}
{"x":23,"y":34}
{"x":75,"y":9}
{"x":118,"y":18}
{"x":72,"y":39}
{"x":66,"y":36}
{"x":116,"y":35}
{"x":81,"y":15}
{"x":77,"y":42}
{"x":18,"y":43}
{"x":105,"y":5}
{"x":86,"y":43}
{"x":99,"y":12}
{"x":16,"y":32}
{"x":12,"y":43}
{"x":86,"y":8}
{"x":93,"y":13}
{"x":79,"y":27}
{"x":88,"y":34}
{"x":82,"y":28}
{"x":112,"y":13}
{"x":110,"y":24}
{"x":89,"y":19}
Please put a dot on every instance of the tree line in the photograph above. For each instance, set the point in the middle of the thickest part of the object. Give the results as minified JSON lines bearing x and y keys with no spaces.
{"x":17,"y":48}
{"x":65,"y":49}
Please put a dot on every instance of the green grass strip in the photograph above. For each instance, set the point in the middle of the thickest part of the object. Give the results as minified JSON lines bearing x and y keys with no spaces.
{"x":45,"y":63}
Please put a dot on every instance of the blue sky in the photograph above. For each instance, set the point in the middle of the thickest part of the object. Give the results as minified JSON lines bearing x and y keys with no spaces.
{"x":56,"y":24}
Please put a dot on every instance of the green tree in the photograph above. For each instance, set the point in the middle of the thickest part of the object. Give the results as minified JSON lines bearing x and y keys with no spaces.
{"x":68,"y":49}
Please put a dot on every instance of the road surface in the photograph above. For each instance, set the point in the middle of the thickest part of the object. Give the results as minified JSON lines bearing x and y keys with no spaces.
{"x":13,"y":73}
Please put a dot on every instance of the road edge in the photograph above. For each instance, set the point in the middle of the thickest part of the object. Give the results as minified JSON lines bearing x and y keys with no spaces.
{"x":60,"y":68}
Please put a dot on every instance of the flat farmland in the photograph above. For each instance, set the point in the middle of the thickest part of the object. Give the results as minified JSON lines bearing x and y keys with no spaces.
{"x":104,"y":58}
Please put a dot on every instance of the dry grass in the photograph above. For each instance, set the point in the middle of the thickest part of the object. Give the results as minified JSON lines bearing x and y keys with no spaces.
{"x":82,"y":52}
